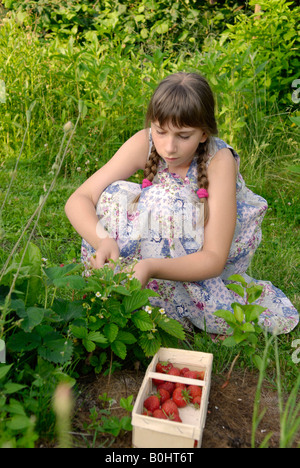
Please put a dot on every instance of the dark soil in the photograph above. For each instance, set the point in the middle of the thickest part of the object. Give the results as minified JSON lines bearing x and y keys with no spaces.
{"x":229,"y":417}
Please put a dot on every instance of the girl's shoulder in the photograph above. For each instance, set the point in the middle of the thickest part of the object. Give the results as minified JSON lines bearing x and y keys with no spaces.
{"x":216,"y":144}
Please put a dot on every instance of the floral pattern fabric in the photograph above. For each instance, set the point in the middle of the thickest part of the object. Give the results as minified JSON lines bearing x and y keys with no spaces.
{"x":167,"y":222}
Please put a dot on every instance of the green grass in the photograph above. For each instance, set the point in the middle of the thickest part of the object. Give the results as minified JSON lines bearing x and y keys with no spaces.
{"x":50,"y":79}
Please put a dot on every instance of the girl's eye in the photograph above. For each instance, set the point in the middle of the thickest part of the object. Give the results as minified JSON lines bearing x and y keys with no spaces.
{"x":184,"y":137}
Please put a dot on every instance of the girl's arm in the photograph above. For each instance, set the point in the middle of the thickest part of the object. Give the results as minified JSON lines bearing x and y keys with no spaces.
{"x":80,"y":207}
{"x":218,"y":232}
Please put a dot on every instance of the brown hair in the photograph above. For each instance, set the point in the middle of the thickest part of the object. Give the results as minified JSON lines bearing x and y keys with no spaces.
{"x":184,"y":100}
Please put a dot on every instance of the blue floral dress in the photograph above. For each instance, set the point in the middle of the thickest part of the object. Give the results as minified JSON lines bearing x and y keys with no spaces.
{"x":167,"y":222}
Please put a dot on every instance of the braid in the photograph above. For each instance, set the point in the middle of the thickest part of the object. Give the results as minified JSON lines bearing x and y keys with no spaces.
{"x":202,"y":179}
{"x":151,"y":165}
{"x":150,"y":169}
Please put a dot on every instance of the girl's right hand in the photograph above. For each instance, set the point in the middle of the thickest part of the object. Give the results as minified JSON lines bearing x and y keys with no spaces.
{"x":107,"y":250}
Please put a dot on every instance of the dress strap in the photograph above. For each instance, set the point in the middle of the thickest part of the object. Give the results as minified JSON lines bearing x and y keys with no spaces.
{"x":150,"y":143}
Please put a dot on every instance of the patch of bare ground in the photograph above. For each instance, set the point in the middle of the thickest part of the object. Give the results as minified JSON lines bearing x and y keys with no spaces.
{"x":229,"y":417}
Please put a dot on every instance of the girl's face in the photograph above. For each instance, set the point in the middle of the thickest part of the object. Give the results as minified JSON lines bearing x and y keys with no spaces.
{"x":177,"y":145}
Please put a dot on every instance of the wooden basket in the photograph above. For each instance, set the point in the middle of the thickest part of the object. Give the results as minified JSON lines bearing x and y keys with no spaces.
{"x":149,"y":432}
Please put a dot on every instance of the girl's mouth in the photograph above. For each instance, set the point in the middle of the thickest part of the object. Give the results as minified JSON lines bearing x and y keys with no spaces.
{"x":170,"y":159}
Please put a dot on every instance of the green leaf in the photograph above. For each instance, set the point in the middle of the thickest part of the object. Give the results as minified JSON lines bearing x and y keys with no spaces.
{"x":97,"y":337}
{"x":60,"y":271}
{"x":239,"y":336}
{"x":226,"y":315}
{"x":126,"y":424}
{"x":19,"y":423}
{"x":239,"y":279}
{"x":110,"y":331}
{"x":295,"y":119}
{"x":89,"y":345}
{"x":252,"y":338}
{"x":56,"y":348}
{"x":23,"y":341}
{"x":126,"y":337}
{"x":121,"y":290}
{"x":253,"y":312}
{"x":11,"y":387}
{"x":33,"y":317}
{"x":247,"y":327}
{"x":61,"y":278}
{"x":238,"y":289}
{"x":98,"y":361}
{"x":238,"y":313}
{"x":79,"y":332}
{"x":119,"y":348}
{"x":111,"y":425}
{"x":117,"y":312}
{"x":150,"y":343}
{"x":4,"y":369}
{"x":257,"y":361}
{"x":137,"y":300}
{"x":142,"y":320}
{"x":172,"y":327}
{"x":254,"y":292}
{"x":16,"y":407}
{"x":126,"y":403}
{"x":70,"y":282}
{"x":67,"y":310}
{"x":162,"y":28}
{"x":229,"y":342}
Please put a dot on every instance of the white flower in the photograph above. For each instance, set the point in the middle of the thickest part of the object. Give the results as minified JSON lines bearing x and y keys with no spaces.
{"x":148,"y":309}
{"x":98,"y":294}
{"x":162,"y":311}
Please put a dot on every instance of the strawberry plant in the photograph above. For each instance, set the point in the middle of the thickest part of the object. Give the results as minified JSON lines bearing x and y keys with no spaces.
{"x":118,"y":315}
{"x":103,"y":311}
{"x":243,"y":321}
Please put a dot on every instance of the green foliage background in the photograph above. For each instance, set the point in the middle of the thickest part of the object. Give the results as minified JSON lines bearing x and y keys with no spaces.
{"x":105,"y":58}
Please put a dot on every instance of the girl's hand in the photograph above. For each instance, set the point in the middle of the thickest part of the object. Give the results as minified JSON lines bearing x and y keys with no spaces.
{"x":142,"y":272}
{"x":107,"y":250}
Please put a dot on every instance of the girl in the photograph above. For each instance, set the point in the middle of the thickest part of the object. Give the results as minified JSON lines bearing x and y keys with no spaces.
{"x":191,"y":224}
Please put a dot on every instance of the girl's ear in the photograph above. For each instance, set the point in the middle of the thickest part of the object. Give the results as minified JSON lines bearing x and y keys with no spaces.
{"x":204,"y":137}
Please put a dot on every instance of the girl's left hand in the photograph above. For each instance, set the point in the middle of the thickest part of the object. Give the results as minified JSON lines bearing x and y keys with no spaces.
{"x":141,"y":272}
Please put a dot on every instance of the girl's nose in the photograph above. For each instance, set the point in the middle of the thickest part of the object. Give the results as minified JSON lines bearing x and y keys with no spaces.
{"x":170,"y":146}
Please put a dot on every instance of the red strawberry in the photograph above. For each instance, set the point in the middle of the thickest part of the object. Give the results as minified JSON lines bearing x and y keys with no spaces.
{"x":197,"y":401}
{"x":200,"y":375}
{"x":176,"y":418}
{"x":147,"y":412}
{"x":191,"y":374}
{"x":163,"y":395}
{"x":181,"y":397}
{"x":183,"y":371}
{"x":151,"y":403}
{"x":194,"y":391}
{"x":174,"y":371}
{"x":159,"y":413}
{"x":180,"y":385}
{"x":169,"y":386}
{"x":157,"y":382}
{"x":163,"y":367}
{"x":170,"y":408}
